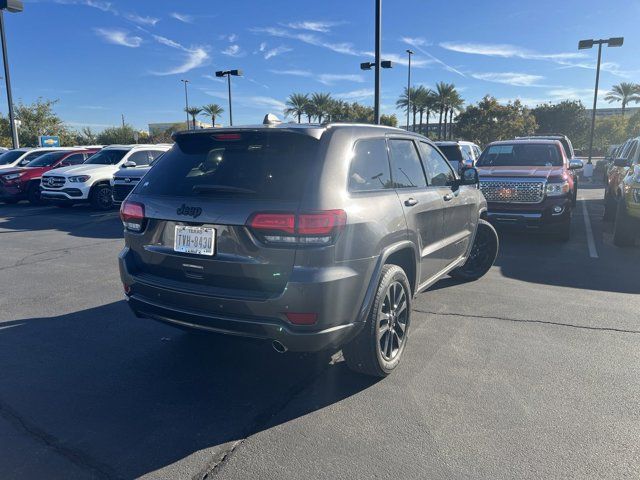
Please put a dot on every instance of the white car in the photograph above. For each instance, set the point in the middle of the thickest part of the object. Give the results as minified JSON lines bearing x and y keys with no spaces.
{"x":90,"y":181}
{"x":20,"y":157}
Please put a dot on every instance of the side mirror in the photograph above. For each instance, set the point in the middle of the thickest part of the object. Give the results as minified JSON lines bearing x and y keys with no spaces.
{"x":469,"y":177}
{"x":129,"y":164}
{"x":575,"y":164}
{"x":621,"y":162}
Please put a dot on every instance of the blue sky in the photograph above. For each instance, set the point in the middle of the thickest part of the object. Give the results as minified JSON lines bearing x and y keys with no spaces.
{"x":104,"y":58}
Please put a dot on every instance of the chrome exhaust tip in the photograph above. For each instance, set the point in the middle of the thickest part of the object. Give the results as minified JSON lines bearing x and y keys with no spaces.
{"x":278,"y":347}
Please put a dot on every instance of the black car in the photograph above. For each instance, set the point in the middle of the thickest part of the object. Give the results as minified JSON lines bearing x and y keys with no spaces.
{"x":309,"y":236}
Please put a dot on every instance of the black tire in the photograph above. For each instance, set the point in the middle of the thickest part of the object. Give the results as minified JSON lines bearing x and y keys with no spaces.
{"x":574,"y":199}
{"x":33,"y":194}
{"x":10,"y":201}
{"x":378,"y":348}
{"x":101,"y":198}
{"x":483,"y":253}
{"x":624,"y":232}
{"x":564,"y":230}
{"x":609,"y":207}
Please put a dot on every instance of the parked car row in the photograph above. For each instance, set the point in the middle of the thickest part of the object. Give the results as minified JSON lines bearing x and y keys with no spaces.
{"x":622,"y":192}
{"x":69,"y":175}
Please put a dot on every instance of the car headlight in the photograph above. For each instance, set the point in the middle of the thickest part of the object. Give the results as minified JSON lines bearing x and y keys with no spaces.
{"x":79,"y":178}
{"x":12,"y":176}
{"x":557,"y":189}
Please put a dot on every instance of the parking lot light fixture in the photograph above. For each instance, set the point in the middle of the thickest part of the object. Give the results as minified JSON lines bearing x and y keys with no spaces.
{"x":409,"y":53}
{"x":229,"y":74}
{"x":186,"y":101}
{"x":587,"y":44}
{"x":11,"y":6}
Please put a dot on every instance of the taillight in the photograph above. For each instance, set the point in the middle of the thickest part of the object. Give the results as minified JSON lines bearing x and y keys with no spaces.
{"x":317,"y":228}
{"x":302,"y":318}
{"x":132,"y":216}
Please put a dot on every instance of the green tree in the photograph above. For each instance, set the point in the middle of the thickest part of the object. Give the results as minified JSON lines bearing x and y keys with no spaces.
{"x":408,"y":100}
{"x":212,"y":110}
{"x":5,"y":133}
{"x":624,"y":92}
{"x":424,"y":102}
{"x":296,"y":105}
{"x":454,"y":104}
{"x":488,"y":121}
{"x":633,"y":125}
{"x":38,"y":118}
{"x":568,"y":117}
{"x":321,"y":104}
{"x":389,"y":120}
{"x":117,"y":135}
{"x":194,"y":112}
{"x":609,"y":131}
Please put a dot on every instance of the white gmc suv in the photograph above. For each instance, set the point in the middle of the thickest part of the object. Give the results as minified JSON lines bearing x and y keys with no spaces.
{"x":90,"y":181}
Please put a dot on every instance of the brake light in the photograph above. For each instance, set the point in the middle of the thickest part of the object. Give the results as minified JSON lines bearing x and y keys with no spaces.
{"x":132,"y":216}
{"x":316,"y":228}
{"x":227,"y":136}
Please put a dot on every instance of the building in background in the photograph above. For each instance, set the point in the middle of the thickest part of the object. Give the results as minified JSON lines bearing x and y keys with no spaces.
{"x":610,"y":112}
{"x":159,"y":128}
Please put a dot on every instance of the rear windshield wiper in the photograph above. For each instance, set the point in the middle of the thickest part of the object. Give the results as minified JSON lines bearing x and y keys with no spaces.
{"x":221,"y":188}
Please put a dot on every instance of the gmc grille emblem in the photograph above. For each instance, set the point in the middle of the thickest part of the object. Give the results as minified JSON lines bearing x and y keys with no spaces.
{"x":189,"y":211}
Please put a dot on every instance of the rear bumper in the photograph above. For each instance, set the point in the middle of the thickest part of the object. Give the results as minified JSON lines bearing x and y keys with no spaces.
{"x":335,"y":295}
{"x":527,"y":216}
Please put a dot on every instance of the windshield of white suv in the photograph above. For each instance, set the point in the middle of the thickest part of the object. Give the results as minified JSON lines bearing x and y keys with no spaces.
{"x":521,"y":155}
{"x":106,"y":157}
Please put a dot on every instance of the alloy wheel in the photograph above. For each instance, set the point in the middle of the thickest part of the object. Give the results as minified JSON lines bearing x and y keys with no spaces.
{"x":393,"y":321}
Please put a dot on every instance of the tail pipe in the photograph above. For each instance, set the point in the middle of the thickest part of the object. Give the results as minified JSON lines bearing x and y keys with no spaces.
{"x":279,"y":347}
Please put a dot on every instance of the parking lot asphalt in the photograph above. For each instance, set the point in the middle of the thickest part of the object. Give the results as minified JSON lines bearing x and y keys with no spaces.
{"x":531,"y":372}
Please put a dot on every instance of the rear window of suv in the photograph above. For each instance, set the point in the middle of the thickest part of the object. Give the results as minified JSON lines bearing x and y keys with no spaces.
{"x":452,"y":152}
{"x":267,"y":164}
{"x":521,"y":155}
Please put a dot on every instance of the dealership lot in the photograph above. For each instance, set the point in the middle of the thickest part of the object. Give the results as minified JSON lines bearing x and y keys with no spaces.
{"x":532,"y":371}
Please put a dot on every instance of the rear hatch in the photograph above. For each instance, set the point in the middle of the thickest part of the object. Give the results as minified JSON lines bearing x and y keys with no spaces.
{"x":220,"y":181}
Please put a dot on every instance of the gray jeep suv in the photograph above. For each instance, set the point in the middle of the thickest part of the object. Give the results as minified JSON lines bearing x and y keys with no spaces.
{"x":310,"y":236}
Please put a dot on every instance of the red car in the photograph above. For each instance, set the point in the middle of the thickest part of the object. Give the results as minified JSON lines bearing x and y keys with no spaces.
{"x":24,"y":182}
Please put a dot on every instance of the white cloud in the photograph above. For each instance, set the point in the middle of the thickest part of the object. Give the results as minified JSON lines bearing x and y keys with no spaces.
{"x":262,"y":102}
{"x":295,"y":73}
{"x":142,"y":20}
{"x":322,"y":27}
{"x":416,"y":62}
{"x":233,"y":51}
{"x":221,"y":95}
{"x":119,"y":37}
{"x":418,"y":43}
{"x":274,"y":52}
{"x":263,"y":46}
{"x":195,"y":56}
{"x":182,"y":17}
{"x":93,"y":107}
{"x":232,"y":38}
{"x":356,"y":94}
{"x":510,"y":78}
{"x":309,"y":38}
{"x":211,"y":77}
{"x":506,"y":51}
{"x":332,"y":78}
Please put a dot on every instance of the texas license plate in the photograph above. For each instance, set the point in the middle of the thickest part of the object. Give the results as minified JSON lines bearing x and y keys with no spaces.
{"x":196,"y":240}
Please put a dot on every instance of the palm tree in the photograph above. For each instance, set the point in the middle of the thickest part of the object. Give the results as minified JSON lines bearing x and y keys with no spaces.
{"x":297,"y":104}
{"x":420,"y":100}
{"x":212,"y":110}
{"x":455,"y":104}
{"x":443,"y":91}
{"x":624,"y":92}
{"x":194,"y":112}
{"x":408,"y":101}
{"x":321,"y":103}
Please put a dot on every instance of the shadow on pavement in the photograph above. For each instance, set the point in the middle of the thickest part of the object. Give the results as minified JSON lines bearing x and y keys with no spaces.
{"x":124,"y":396}
{"x":78,"y":221}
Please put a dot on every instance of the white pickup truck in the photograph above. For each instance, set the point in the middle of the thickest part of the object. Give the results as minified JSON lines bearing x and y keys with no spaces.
{"x":90,"y":181}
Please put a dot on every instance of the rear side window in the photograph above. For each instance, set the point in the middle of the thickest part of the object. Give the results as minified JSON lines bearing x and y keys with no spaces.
{"x":369,"y":168}
{"x":438,"y":170}
{"x":269,"y":164}
{"x":139,"y":158}
{"x":405,"y":165}
{"x":76,"y":159}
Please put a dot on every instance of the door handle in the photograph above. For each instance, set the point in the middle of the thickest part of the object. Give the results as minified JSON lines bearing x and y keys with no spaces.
{"x":448,"y":196}
{"x":410,"y":202}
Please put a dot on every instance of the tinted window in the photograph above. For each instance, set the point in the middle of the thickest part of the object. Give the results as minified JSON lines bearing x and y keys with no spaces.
{"x":29,"y":158}
{"x":10,"y":157}
{"x":267,"y":164}
{"x":107,"y":157}
{"x":139,"y":158}
{"x":521,"y":155}
{"x":405,"y":164}
{"x":452,"y":152}
{"x":47,"y":159}
{"x":438,"y":170}
{"x":632,"y":151}
{"x":76,"y":159}
{"x":370,"y":166}
{"x":155,"y":154}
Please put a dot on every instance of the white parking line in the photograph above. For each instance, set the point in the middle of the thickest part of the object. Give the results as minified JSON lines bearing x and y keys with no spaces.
{"x":591,"y":243}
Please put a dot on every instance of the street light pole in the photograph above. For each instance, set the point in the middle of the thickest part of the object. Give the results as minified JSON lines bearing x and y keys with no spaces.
{"x":409,"y":52}
{"x":228,"y":74}
{"x":376,"y":99}
{"x":12,"y":6}
{"x":186,"y":102}
{"x":586,"y":44}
